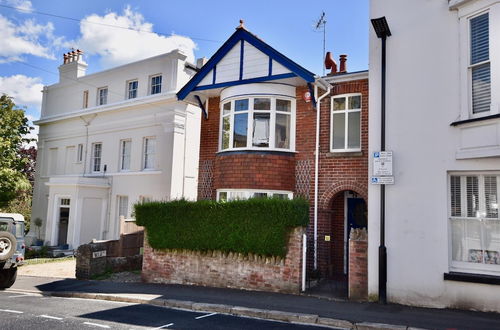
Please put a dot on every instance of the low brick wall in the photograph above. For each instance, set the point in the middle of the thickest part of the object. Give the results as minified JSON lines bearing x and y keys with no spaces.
{"x":229,"y":270}
{"x":98,"y":257}
{"x":358,"y":269}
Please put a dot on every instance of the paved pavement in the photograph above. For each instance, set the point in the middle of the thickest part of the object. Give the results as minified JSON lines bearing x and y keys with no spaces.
{"x":60,"y":269}
{"x":298,"y":308}
{"x":35,"y":311}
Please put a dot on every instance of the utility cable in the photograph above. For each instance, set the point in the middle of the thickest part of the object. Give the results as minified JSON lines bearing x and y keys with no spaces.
{"x":97,"y":23}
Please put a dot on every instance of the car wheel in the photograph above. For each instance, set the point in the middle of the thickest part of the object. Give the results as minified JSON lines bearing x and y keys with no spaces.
{"x":7,"y":245}
{"x":7,"y":277}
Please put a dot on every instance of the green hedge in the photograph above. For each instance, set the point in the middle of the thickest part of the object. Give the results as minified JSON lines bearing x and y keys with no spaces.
{"x":258,"y":226}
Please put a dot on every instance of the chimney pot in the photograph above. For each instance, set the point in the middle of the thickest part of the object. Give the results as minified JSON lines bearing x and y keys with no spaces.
{"x":343,"y":65}
{"x":330,"y":63}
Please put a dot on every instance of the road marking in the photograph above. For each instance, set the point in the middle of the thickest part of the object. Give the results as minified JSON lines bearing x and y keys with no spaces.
{"x":206,"y":315}
{"x":22,"y":295}
{"x":97,"y":325}
{"x":164,"y":326}
{"x":10,"y":311}
{"x":51,"y":317}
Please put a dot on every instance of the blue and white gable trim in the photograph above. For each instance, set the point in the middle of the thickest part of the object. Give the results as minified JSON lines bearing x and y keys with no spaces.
{"x":245,"y":59}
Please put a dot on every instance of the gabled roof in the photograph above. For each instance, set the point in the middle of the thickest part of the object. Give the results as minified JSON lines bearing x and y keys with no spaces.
{"x":244,"y":59}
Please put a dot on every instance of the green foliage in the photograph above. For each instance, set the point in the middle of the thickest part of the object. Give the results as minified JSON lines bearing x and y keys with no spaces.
{"x":21,"y":204}
{"x":32,"y":253}
{"x":14,"y":126}
{"x":258,"y":226}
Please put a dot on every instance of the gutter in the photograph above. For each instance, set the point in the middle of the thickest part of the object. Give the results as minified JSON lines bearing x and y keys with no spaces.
{"x":319,"y":82}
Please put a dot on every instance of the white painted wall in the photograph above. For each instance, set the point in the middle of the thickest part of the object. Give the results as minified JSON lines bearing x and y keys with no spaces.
{"x":423,"y":98}
{"x":255,"y":65}
{"x":64,"y":125}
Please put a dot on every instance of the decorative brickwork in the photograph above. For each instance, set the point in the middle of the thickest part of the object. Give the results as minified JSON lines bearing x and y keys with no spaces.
{"x":205,"y":183}
{"x":303,"y":172}
{"x":227,"y":270}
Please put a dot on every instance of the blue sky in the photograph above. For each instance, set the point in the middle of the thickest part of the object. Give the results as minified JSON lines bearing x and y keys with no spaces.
{"x":33,"y":43}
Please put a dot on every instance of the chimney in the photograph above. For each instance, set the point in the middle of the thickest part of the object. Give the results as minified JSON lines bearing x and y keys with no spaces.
{"x":343,"y":66}
{"x":73,"y":66}
{"x":201,"y":62}
{"x":330,"y":63}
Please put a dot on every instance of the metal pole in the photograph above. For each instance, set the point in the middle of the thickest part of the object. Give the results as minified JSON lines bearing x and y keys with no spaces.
{"x":382,"y":250}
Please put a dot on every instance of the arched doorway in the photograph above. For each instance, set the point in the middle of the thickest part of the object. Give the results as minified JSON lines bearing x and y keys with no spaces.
{"x":348,"y":211}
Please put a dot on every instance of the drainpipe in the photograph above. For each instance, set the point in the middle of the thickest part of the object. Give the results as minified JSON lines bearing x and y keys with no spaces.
{"x":87,"y":123}
{"x":325,"y":85}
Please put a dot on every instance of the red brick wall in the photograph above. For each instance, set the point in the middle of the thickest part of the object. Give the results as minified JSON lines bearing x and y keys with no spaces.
{"x":254,"y":171}
{"x":337,"y":172}
{"x":358,"y":270}
{"x":227,"y":270}
{"x":337,"y":230}
{"x":295,"y":172}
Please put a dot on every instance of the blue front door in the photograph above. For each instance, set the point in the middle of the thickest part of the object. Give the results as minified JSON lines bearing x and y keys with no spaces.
{"x":356,"y":214}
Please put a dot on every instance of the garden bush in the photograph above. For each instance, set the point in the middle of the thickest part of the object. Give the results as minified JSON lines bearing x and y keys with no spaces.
{"x":257,"y":226}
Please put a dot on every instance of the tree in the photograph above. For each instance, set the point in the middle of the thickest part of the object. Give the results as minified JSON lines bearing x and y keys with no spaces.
{"x":14,"y":126}
{"x":29,"y":167}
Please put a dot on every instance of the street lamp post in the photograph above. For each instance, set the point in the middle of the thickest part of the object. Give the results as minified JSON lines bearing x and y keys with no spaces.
{"x":382,"y":30}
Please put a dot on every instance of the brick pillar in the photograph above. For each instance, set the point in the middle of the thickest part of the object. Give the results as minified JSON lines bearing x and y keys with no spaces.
{"x":358,"y":267}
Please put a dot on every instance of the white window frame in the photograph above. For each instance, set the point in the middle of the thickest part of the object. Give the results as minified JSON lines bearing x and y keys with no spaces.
{"x":145,"y":154}
{"x":151,"y":86}
{"x":132,"y":90}
{"x":120,"y":199}
{"x":346,"y":112}
{"x":466,"y":13}
{"x":248,"y":193}
{"x":85,"y":99}
{"x":93,"y":158}
{"x":464,"y":266}
{"x":122,"y":155}
{"x":79,"y":153}
{"x":250,"y":112}
{"x":102,"y":101}
{"x":470,"y":66}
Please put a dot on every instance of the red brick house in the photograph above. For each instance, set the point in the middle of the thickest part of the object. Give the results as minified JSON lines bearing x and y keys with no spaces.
{"x":258,"y":138}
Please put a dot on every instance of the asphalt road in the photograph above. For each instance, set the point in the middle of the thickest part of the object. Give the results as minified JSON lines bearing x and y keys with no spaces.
{"x":34,"y":311}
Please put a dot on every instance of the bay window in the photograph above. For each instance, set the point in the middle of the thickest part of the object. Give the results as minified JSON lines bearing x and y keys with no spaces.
{"x":225,"y":195}
{"x":259,"y":122}
{"x":475,"y":223}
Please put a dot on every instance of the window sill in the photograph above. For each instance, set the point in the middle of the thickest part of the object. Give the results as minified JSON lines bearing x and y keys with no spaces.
{"x":472,"y":278}
{"x":472,"y":120}
{"x":253,"y":151}
{"x":343,"y":154}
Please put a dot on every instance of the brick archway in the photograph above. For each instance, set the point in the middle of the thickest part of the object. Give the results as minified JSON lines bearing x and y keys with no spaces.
{"x":325,"y":198}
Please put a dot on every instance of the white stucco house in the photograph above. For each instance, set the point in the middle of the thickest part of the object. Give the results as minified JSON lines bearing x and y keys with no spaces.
{"x":442,"y":225}
{"x":110,"y":139}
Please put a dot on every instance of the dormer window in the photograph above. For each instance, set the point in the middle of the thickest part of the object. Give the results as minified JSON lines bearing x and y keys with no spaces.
{"x":257,"y":122}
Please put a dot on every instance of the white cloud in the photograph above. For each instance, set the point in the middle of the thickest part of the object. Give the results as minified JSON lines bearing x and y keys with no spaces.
{"x":23,"y":6}
{"x":26,"y":91}
{"x":25,"y":39}
{"x":134,"y":41}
